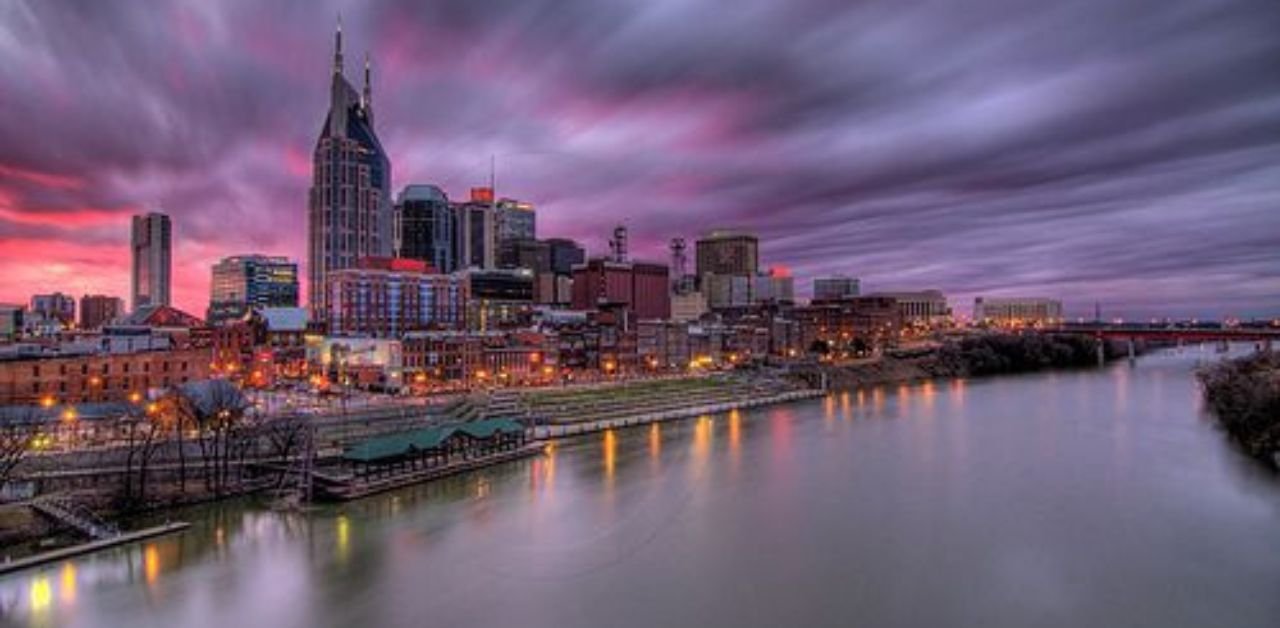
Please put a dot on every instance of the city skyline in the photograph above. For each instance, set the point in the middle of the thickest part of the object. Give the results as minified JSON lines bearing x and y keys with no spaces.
{"x":1147,"y":179}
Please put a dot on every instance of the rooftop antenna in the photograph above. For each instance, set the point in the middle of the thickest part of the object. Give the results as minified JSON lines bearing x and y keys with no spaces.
{"x":337,"y":47}
{"x":679,"y":261}
{"x":366,"y":96}
{"x":618,"y":244}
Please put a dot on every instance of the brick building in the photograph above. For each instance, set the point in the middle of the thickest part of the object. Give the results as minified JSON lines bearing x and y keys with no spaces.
{"x":642,"y":289}
{"x":99,"y":376}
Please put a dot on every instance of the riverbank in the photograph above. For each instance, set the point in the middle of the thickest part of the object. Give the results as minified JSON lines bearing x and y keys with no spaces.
{"x":975,"y":356}
{"x":578,"y":410}
{"x":1244,"y":396}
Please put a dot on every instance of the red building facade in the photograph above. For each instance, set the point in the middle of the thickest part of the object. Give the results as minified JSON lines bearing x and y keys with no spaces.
{"x":641,"y":288}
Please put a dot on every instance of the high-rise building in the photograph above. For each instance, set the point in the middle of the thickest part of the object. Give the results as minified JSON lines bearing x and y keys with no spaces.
{"x":775,"y":286}
{"x":835,"y":287}
{"x":242,"y":282}
{"x":386,"y":297}
{"x":534,"y":255}
{"x":11,"y":321}
{"x":350,"y":214}
{"x":152,"y":259}
{"x":565,"y":254}
{"x":499,"y":298}
{"x":514,"y":220}
{"x":726,"y":291}
{"x":427,"y":227}
{"x":728,"y":253}
{"x":477,"y":235}
{"x":54,"y":307}
{"x":97,"y":310}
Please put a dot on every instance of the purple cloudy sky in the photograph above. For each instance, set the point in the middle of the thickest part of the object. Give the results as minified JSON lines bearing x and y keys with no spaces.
{"x":1127,"y":151}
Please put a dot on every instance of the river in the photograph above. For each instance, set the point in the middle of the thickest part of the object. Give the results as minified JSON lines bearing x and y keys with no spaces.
{"x":1083,"y":498}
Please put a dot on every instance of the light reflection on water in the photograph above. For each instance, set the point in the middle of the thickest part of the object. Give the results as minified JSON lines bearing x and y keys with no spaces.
{"x":1077,"y":498}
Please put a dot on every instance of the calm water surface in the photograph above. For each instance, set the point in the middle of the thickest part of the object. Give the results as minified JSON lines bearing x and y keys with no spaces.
{"x":1096,"y":498}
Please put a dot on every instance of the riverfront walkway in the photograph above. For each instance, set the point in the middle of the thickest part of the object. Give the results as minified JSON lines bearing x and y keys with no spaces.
{"x":578,"y":412}
{"x":574,"y":429}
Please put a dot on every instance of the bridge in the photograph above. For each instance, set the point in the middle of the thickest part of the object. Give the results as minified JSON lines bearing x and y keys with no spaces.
{"x":1177,"y":334}
{"x":1173,"y":332}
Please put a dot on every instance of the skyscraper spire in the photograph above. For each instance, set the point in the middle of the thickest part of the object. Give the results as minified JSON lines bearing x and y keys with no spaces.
{"x":337,"y":47}
{"x":367,"y":96}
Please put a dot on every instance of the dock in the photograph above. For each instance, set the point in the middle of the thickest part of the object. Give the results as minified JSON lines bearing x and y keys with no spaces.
{"x":355,"y":488}
{"x":121,"y":538}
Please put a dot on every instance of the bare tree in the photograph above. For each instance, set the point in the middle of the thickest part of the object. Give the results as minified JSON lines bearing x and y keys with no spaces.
{"x":174,"y":415}
{"x":285,"y":436}
{"x":217,"y":410}
{"x":143,"y":434}
{"x":18,"y":436}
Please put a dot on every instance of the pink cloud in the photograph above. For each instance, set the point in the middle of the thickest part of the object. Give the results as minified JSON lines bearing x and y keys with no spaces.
{"x":43,"y":179}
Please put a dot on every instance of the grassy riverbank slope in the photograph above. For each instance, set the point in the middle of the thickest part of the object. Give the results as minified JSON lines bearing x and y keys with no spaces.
{"x":1244,"y":395}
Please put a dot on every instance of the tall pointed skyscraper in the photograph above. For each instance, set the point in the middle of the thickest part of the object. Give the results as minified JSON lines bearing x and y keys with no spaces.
{"x":152,"y":245}
{"x":350,"y":211}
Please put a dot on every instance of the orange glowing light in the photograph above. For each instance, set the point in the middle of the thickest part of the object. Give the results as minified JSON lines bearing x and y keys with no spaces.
{"x":150,"y":564}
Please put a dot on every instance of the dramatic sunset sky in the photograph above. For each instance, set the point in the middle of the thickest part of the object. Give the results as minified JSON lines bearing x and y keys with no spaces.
{"x":1119,"y":150}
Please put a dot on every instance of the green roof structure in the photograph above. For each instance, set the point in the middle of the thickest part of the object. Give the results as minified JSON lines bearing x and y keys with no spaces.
{"x":404,"y":443}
